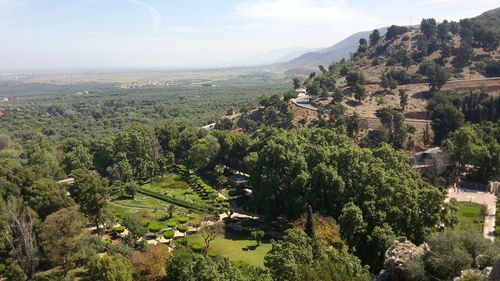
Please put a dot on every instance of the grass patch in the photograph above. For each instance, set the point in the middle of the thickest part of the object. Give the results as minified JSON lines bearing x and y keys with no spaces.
{"x":469,"y":216}
{"x":237,"y":246}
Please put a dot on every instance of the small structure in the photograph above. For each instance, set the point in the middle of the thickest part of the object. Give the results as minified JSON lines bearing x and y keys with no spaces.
{"x":237,"y":179}
{"x":426,"y":159}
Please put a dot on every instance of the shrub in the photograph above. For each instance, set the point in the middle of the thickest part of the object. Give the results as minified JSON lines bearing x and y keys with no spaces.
{"x":193,"y":216}
{"x":225,"y":204}
{"x":171,"y":224}
{"x":197,"y":247}
{"x":119,"y":229}
{"x":93,"y":242}
{"x":195,"y":223}
{"x":178,"y":184}
{"x":169,"y":234}
{"x":121,"y":249}
{"x":228,"y":220}
{"x":212,"y":253}
{"x":182,"y":241}
{"x":182,"y":228}
{"x":154,"y":227}
{"x":240,"y":263}
{"x":106,"y":241}
{"x":145,"y":222}
{"x":183,"y":220}
{"x":246,"y":223}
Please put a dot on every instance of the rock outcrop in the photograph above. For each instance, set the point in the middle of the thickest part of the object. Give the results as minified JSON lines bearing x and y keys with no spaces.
{"x":396,"y":257}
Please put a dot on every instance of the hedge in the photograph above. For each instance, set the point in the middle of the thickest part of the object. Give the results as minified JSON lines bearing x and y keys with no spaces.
{"x":171,"y":224}
{"x":182,"y":228}
{"x":183,"y":220}
{"x":154,"y":227}
{"x":106,"y":241}
{"x":212,"y":253}
{"x":197,"y":247}
{"x":119,"y":229}
{"x":175,"y":201}
{"x":182,"y":241}
{"x":195,"y":223}
{"x":169,"y":234}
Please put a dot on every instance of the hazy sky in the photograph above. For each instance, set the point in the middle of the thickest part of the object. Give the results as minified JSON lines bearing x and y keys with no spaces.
{"x":54,"y":34}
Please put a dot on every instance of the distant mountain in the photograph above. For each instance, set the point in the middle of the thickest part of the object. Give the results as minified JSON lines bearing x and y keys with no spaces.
{"x":273,"y":56}
{"x":326,"y":56}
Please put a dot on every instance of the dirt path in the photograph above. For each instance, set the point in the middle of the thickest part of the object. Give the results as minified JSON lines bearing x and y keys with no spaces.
{"x":486,"y":198}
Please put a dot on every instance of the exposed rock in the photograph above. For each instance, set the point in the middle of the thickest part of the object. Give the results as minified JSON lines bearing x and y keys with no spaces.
{"x":396,"y":257}
{"x":495,"y":271}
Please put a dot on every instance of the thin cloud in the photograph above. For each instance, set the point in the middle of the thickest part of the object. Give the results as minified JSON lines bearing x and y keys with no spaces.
{"x":182,"y":29}
{"x":155,"y":14}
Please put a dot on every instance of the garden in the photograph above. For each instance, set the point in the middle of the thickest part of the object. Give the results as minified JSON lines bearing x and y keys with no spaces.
{"x":470,"y":216}
{"x":174,"y":207}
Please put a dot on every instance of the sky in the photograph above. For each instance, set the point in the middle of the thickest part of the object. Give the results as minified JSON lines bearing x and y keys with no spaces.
{"x":97,"y":34}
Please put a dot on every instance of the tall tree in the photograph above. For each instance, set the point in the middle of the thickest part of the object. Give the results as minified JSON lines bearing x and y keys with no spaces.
{"x":19,"y":233}
{"x":445,"y":119}
{"x":374,"y":37}
{"x":61,"y":235}
{"x":110,"y":268}
{"x":91,"y":192}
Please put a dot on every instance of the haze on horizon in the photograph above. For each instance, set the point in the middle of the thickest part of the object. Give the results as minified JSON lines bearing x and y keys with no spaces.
{"x":94,"y":34}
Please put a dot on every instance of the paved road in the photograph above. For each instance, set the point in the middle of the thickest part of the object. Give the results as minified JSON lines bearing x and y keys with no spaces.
{"x":303,"y":101}
{"x":482,"y":198}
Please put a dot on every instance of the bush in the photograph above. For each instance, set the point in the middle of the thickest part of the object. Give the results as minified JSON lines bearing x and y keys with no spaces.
{"x":121,"y":249}
{"x":178,"y":184}
{"x":119,"y":229}
{"x":182,"y":241}
{"x":225,"y":204}
{"x":195,"y":223}
{"x":145,"y":222}
{"x":154,"y":227}
{"x":171,"y":224}
{"x":169,"y":234}
{"x":2,"y":267}
{"x":94,"y":243}
{"x":212,"y":253}
{"x":240,"y":264}
{"x":193,"y":216}
{"x":228,"y":220}
{"x":182,"y":228}
{"x":106,"y":241}
{"x":183,"y":220}
{"x":197,"y":247}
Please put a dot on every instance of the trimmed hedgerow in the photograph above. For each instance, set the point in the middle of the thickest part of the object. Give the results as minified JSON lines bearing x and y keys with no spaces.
{"x":212,"y":253}
{"x":182,"y":228}
{"x":197,"y":247}
{"x":154,"y":227}
{"x":169,"y":234}
{"x":183,"y":220}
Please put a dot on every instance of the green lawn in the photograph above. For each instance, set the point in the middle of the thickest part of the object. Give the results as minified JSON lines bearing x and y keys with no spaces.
{"x":237,"y":246}
{"x":185,"y":194}
{"x":469,"y":216}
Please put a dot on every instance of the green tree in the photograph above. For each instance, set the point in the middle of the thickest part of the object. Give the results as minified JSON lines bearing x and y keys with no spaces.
{"x":201,"y":153}
{"x":403,"y":98}
{"x":296,"y":83}
{"x":445,"y":119}
{"x":436,"y":75}
{"x":258,"y":235}
{"x":91,"y":192}
{"x":374,"y":37}
{"x":61,"y":235}
{"x":110,"y":268}
{"x":45,"y":196}
{"x":359,"y":92}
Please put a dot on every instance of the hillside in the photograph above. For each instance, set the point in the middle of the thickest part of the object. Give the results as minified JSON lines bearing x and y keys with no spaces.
{"x":340,"y":50}
{"x":344,"y":48}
